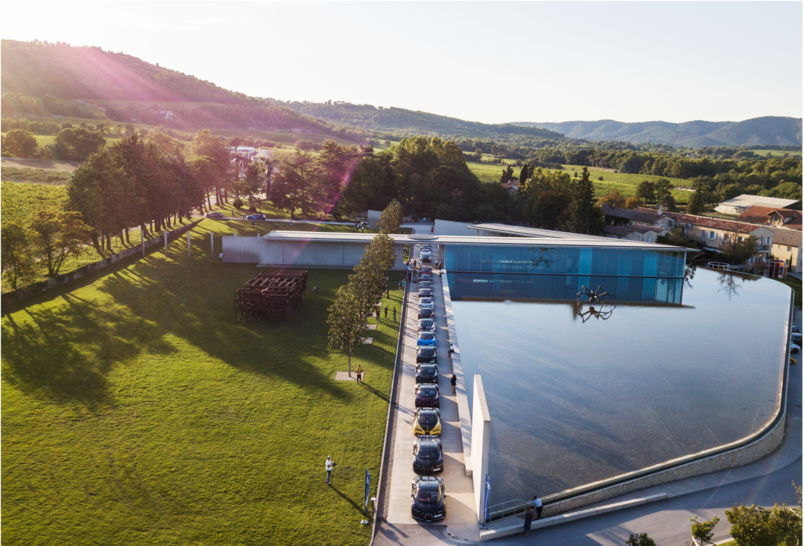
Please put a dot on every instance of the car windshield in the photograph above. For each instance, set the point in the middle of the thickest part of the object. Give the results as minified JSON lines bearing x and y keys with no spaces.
{"x":428,"y":392}
{"x":428,"y":419}
{"x":428,"y":335}
{"x":428,"y":452}
{"x":426,"y":300}
{"x":427,"y":323}
{"x":427,"y":496}
{"x":427,"y":352}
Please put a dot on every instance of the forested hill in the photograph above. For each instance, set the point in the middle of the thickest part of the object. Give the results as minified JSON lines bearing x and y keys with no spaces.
{"x":402,"y":122}
{"x":44,"y":78}
{"x":769,"y":130}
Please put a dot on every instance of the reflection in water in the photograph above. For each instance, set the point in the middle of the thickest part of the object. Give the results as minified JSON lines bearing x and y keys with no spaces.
{"x":576,"y":401}
{"x":731,"y":282}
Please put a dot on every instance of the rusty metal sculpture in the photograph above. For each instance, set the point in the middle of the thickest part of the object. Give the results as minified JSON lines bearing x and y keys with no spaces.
{"x":605,"y":300}
{"x":271,"y":296}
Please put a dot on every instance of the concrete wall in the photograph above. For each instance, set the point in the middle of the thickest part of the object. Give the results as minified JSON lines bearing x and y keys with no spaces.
{"x":445,"y":227}
{"x":481,"y":438}
{"x":255,"y":250}
{"x":242,"y":250}
{"x":373,"y":218}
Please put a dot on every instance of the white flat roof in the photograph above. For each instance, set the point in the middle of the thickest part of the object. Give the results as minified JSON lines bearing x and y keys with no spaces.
{"x":751,"y":200}
{"x":522,"y":231}
{"x":405,"y":239}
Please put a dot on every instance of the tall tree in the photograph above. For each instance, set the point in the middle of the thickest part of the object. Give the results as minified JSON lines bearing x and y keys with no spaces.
{"x":18,"y":143}
{"x":58,"y":235}
{"x":346,"y":321}
{"x":16,"y":253}
{"x":584,"y":216}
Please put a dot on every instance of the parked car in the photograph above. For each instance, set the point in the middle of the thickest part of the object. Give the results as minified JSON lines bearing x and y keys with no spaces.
{"x":215,"y":215}
{"x":428,"y":494}
{"x":427,"y":421}
{"x":426,"y":257}
{"x":794,"y":348}
{"x":427,"y":455}
{"x":426,"y":354}
{"x":427,"y":325}
{"x":425,"y":284}
{"x":427,"y":269}
{"x":426,"y":313}
{"x":795,"y":333}
{"x":255,"y":217}
{"x":426,"y":339}
{"x":425,"y":292}
{"x":427,"y":396}
{"x":427,"y":373}
{"x":426,"y":303}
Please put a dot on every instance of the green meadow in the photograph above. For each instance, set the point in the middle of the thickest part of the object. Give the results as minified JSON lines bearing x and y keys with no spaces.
{"x":137,"y":411}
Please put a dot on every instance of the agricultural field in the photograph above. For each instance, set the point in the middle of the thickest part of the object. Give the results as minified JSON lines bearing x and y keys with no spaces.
{"x":35,"y":176}
{"x":487,"y":172}
{"x":40,"y":164}
{"x":778,"y":153}
{"x":137,"y":411}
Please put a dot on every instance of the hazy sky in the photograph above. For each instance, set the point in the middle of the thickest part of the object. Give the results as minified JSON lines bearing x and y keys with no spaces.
{"x":490,"y":62}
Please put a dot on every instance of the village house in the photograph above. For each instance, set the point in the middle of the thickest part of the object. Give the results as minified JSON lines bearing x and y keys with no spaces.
{"x":772,"y":216}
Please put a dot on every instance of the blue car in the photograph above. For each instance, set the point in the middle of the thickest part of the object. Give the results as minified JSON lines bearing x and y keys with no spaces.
{"x":426,"y":339}
{"x":256,"y":217}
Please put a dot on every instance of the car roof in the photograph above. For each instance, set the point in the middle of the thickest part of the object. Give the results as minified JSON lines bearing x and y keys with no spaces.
{"x":427,"y":442}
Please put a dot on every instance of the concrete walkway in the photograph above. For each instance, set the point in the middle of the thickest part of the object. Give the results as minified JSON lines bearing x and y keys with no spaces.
{"x":461,"y":522}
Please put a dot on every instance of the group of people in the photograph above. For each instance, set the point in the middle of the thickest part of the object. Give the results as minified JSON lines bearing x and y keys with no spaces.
{"x":534,"y":507}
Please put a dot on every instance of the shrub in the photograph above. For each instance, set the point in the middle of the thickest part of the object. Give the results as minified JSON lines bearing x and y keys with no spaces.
{"x":640,"y":540}
{"x":237,"y":203}
{"x":704,"y":530}
{"x":252,"y":208}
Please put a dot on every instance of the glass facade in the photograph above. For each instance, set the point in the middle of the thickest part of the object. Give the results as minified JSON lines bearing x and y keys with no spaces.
{"x":550,"y":273}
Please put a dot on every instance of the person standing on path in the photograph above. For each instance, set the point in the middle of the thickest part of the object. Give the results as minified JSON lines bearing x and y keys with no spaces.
{"x":453,"y":382}
{"x":394,"y":314}
{"x":386,"y":311}
{"x":378,"y":314}
{"x":537,"y":504}
{"x":359,"y":373}
{"x":330,"y":465}
{"x":528,"y":520}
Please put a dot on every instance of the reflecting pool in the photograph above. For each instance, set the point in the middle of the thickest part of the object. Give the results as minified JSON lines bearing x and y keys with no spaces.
{"x":578,"y":395}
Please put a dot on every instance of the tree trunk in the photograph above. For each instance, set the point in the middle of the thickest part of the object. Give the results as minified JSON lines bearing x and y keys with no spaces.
{"x":128,"y":238}
{"x":350,"y":363}
{"x":95,"y":241}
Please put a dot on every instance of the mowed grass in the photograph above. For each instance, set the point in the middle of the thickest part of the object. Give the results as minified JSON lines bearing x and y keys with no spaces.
{"x":623,"y":182}
{"x":137,"y":411}
{"x":777,"y":153}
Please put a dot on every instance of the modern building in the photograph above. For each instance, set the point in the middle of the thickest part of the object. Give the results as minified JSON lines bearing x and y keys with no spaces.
{"x":741,"y":203}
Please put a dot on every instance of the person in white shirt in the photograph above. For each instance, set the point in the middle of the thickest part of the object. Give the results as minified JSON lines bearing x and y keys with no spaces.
{"x":537,"y":504}
{"x":330,"y":464}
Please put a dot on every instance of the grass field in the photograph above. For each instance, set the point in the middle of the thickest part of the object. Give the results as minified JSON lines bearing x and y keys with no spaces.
{"x":623,"y":182}
{"x":136,"y":411}
{"x":795,"y":284}
{"x":40,"y":164}
{"x":777,"y":153}
{"x":35,"y":176}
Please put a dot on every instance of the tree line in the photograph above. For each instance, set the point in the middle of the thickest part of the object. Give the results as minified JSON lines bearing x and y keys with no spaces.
{"x":355,"y":301}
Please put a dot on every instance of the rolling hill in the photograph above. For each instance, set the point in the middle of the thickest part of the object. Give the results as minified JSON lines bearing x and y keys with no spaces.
{"x":43,"y":78}
{"x":769,"y":130}
{"x":402,"y":122}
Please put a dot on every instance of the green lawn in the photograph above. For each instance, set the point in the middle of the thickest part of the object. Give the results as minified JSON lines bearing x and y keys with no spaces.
{"x":777,"y":153}
{"x":136,"y":411}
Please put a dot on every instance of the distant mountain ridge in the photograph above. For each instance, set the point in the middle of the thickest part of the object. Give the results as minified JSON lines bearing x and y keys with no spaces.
{"x":401,"y":120}
{"x":768,"y":130}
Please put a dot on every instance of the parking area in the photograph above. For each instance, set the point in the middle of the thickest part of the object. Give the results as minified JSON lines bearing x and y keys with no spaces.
{"x":460,"y":513}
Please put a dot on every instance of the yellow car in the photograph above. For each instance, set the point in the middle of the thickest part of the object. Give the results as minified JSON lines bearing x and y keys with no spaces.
{"x":427,"y":422}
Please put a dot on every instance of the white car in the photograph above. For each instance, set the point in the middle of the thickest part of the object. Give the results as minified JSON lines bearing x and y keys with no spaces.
{"x":426,"y":303}
{"x":794,"y":349}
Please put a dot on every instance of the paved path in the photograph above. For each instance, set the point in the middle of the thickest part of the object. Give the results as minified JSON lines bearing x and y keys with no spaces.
{"x":399,"y":526}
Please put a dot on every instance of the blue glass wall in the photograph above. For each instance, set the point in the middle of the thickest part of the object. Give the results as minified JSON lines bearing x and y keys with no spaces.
{"x":639,"y":276}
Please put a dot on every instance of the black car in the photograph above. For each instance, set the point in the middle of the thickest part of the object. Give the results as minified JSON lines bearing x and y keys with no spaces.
{"x":427,"y":373}
{"x":425,"y":284}
{"x":427,"y":396}
{"x":425,"y":292}
{"x":427,"y":455}
{"x":426,"y":354}
{"x":255,"y":217}
{"x":216,"y":215}
{"x":428,"y":494}
{"x":425,"y":313}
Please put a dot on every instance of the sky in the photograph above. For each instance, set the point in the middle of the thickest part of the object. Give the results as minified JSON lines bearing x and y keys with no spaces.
{"x":492,"y":62}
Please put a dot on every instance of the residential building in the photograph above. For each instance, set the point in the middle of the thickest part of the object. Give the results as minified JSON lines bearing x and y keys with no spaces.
{"x":787,"y":246}
{"x":712,"y":233}
{"x":635,"y":232}
{"x":772,"y":216}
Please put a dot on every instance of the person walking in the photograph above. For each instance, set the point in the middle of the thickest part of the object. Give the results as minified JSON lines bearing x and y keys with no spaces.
{"x":394,"y":314}
{"x":359,"y":373}
{"x":386,"y":311}
{"x":378,"y":314}
{"x":537,"y":504}
{"x":451,"y":349}
{"x":453,"y":382}
{"x":330,"y":466}
{"x":528,"y":520}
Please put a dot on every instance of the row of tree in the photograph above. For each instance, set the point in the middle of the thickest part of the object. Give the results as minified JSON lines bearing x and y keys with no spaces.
{"x":49,"y":238}
{"x":355,"y":301}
